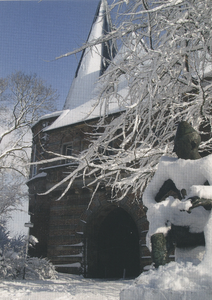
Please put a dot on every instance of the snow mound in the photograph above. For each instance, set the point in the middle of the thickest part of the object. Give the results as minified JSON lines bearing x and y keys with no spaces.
{"x":175,"y":281}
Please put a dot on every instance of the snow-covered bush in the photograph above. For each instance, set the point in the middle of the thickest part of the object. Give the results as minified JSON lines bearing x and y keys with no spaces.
{"x":39,"y":268}
{"x":15,"y":263}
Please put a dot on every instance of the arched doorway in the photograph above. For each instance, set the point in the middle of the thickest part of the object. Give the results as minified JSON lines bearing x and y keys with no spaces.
{"x":117,"y":246}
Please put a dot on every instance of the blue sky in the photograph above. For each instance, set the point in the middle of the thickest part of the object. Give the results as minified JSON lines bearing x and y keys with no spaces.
{"x":33,"y":33}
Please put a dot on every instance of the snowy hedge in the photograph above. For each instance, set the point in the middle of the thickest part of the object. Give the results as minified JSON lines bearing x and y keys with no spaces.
{"x":14,"y":262}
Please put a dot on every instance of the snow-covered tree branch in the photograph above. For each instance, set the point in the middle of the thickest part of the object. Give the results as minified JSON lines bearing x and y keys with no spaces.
{"x":166,"y":64}
{"x":23,"y":98}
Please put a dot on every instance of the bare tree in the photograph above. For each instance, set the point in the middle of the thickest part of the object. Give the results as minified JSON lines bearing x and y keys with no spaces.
{"x":23,"y":98}
{"x":166,"y":62}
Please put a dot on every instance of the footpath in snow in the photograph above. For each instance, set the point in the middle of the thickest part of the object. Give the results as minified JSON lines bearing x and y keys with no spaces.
{"x":65,"y":287}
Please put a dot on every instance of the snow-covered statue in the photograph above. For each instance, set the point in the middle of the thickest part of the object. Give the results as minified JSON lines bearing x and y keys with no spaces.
{"x":179,"y":201}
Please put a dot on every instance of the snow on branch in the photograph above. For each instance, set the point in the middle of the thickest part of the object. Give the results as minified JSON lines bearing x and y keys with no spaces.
{"x":23,"y":98}
{"x":160,"y":76}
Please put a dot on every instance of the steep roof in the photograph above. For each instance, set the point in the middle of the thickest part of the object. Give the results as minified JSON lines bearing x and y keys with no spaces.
{"x":81,"y":101}
{"x":93,"y":61}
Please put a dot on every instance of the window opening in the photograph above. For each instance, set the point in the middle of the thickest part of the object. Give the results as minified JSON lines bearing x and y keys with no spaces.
{"x":67,"y":151}
{"x":34,"y":159}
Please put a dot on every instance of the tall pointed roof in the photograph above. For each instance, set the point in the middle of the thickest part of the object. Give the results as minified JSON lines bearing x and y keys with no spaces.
{"x":81,"y":103}
{"x":93,"y":60}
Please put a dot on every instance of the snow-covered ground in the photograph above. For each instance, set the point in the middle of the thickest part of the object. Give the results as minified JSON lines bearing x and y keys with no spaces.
{"x":174,"y":281}
{"x":65,"y":287}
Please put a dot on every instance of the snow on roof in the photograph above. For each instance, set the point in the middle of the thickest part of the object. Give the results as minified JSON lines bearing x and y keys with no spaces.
{"x":85,"y":112}
{"x":93,"y":61}
{"x":73,"y":265}
{"x":48,"y":116}
{"x":39,"y":175}
{"x":82,"y":103}
{"x":95,"y":108}
{"x":82,"y":100}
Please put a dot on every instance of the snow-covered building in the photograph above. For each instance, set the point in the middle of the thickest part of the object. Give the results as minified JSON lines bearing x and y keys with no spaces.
{"x":108,"y":238}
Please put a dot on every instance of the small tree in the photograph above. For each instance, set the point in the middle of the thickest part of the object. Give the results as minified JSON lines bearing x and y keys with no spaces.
{"x":24,"y":98}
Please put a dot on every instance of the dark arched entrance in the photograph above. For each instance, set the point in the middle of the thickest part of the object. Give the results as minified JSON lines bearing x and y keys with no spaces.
{"x":117,"y":246}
